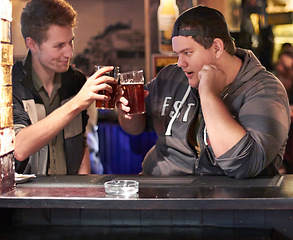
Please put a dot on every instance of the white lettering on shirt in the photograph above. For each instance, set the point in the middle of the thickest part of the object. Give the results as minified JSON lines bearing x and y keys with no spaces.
{"x":176,"y":107}
{"x":185,"y":117}
{"x":165,"y":105}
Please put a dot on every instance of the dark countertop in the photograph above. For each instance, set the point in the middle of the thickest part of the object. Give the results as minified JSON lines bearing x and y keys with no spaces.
{"x":182,"y":193}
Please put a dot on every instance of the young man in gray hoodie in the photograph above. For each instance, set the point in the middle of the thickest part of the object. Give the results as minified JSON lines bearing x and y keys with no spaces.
{"x":217,"y":111}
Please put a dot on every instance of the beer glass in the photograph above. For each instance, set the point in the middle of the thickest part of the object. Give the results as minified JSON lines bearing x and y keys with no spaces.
{"x":132,"y":84}
{"x":111,"y":103}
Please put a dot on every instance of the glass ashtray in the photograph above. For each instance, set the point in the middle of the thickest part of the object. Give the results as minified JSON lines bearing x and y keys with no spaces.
{"x":121,"y":187}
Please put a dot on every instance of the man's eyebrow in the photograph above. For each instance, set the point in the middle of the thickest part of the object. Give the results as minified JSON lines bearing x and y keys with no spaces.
{"x":57,"y":43}
{"x":184,"y":50}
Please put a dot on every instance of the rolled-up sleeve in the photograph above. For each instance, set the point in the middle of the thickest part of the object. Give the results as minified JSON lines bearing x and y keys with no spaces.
{"x":265,"y":115}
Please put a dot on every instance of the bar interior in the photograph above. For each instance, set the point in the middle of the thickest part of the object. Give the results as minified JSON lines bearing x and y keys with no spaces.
{"x":125,"y":33}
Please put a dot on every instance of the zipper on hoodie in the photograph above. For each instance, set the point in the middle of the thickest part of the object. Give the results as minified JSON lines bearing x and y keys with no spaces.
{"x":196,"y":150}
{"x":201,"y":146}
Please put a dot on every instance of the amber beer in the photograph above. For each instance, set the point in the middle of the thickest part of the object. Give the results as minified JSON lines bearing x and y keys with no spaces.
{"x":134,"y":93}
{"x":111,"y":103}
{"x":132,"y":84}
{"x":107,"y":104}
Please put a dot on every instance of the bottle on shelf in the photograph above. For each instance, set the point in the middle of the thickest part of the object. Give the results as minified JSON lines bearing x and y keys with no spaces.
{"x":167,"y":13}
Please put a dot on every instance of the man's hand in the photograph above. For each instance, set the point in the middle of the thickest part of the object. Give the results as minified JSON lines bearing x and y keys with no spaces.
{"x":122,"y":103}
{"x":89,"y":92}
{"x":211,"y":80}
{"x":132,"y":124}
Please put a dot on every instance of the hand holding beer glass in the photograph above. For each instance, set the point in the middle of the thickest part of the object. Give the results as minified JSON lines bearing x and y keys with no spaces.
{"x":132,"y":84}
{"x":111,"y":103}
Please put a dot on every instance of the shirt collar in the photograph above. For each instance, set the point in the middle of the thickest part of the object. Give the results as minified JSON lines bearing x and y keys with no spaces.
{"x":38,"y":83}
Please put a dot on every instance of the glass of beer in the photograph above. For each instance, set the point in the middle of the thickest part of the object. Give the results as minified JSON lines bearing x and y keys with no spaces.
{"x":111,"y":103}
{"x":132,"y":84}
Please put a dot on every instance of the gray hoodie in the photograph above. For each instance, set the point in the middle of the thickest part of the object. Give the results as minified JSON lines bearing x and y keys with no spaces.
{"x":256,"y":99}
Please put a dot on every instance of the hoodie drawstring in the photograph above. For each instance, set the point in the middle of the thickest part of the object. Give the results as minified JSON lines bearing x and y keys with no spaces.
{"x":168,"y":131}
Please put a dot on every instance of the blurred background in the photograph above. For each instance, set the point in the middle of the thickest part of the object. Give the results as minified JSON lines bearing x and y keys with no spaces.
{"x":113,"y":31}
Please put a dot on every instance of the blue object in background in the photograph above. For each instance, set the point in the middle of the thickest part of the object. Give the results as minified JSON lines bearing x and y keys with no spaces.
{"x":122,"y":153}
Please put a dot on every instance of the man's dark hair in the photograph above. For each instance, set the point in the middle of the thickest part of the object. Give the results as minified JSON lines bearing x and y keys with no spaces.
{"x":38,"y":15}
{"x":204,"y":24}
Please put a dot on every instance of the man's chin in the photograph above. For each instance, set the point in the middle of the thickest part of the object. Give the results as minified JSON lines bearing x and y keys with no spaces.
{"x":193,"y":83}
{"x":62,"y":69}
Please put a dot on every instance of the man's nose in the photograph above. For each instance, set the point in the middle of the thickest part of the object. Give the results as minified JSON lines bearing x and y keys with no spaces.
{"x":181,"y":63}
{"x":68,"y":51}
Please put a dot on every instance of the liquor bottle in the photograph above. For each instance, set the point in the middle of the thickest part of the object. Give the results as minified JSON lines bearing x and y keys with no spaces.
{"x":167,"y":13}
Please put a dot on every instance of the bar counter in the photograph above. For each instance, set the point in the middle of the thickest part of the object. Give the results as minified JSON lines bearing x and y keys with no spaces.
{"x":189,"y":201}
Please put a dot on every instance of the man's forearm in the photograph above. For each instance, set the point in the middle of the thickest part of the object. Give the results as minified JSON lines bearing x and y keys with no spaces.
{"x":32,"y":138}
{"x":85,"y":166}
{"x":134,"y":126}
{"x":223,"y":130}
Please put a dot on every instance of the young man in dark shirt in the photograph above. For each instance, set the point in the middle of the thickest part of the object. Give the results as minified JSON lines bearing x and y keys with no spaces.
{"x":50,"y":97}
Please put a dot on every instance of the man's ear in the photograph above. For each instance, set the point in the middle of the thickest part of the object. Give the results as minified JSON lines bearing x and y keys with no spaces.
{"x":218,"y":47}
{"x":31,"y":44}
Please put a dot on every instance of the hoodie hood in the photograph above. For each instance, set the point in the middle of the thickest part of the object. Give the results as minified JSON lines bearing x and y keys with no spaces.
{"x":251,"y":67}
